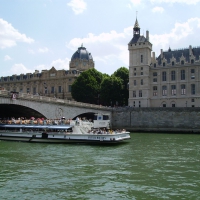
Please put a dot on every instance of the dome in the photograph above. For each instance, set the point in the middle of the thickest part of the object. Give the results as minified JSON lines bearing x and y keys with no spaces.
{"x":82,"y":53}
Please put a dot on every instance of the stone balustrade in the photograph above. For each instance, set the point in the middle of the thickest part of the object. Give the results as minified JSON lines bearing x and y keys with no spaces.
{"x":32,"y":97}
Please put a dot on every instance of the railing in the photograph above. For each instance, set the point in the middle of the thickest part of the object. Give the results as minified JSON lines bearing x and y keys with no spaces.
{"x":32,"y":97}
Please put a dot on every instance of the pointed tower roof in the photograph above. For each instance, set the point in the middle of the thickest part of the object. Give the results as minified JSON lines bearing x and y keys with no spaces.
{"x":136,"y":24}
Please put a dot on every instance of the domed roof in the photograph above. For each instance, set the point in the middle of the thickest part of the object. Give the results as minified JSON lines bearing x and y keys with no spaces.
{"x":82,"y":53}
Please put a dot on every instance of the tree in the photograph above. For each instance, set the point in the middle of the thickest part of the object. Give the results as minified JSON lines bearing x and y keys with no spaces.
{"x":123,"y":73}
{"x":86,"y":87}
{"x":111,"y":88}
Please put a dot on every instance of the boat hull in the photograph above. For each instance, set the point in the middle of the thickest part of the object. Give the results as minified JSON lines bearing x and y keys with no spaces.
{"x":66,"y":139}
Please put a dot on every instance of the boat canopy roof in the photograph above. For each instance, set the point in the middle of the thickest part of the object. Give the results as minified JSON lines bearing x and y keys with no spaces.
{"x":35,"y":126}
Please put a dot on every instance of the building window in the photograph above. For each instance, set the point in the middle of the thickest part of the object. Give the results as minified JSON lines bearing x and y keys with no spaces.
{"x":154,"y":65}
{"x":139,"y":104}
{"x":183,"y":90}
{"x":164,"y":90}
{"x":173,"y":75}
{"x":192,"y":61}
{"x":140,"y":93}
{"x":45,"y":90}
{"x":141,"y":58}
{"x":134,"y":74}
{"x":134,"y":69}
{"x":154,"y":80}
{"x":164,"y":64}
{"x":173,"y":89}
{"x":52,"y":89}
{"x":134,"y":82}
{"x":192,"y":71}
{"x":34,"y":90}
{"x":155,"y":93}
{"x":192,"y":89}
{"x":173,"y":105}
{"x":28,"y":90}
{"x":164,"y":76}
{"x":164,"y":105}
{"x":141,"y":68}
{"x":141,"y":73}
{"x":182,"y":62}
{"x":134,"y":104}
{"x":134,"y":93}
{"x":192,"y":100}
{"x":172,"y":63}
{"x":69,"y":88}
{"x":154,"y":73}
{"x":183,"y":74}
{"x":59,"y":89}
{"x":141,"y":81}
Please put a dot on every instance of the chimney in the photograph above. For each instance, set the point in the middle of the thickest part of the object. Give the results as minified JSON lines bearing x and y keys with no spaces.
{"x":190,"y":50}
{"x":147,"y":35}
{"x":153,"y":55}
{"x":161,"y":52}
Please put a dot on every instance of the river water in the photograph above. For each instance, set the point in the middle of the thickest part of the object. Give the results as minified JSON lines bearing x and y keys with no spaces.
{"x":149,"y":166}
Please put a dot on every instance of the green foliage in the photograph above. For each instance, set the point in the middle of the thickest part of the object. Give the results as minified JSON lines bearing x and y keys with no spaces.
{"x":123,"y":73}
{"x":94,"y":87}
{"x":87,"y":86}
{"x":111,"y":88}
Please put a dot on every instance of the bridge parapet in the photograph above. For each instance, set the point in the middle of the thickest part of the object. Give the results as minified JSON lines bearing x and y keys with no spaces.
{"x":46,"y":99}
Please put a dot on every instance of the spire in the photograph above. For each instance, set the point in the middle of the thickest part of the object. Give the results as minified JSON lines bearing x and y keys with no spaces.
{"x":136,"y":29}
{"x":136,"y":24}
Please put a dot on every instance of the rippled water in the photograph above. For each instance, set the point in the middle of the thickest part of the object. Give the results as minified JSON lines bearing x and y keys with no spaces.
{"x":150,"y":166}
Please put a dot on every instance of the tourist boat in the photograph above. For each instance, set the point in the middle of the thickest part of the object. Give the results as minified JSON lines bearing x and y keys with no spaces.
{"x":78,"y":131}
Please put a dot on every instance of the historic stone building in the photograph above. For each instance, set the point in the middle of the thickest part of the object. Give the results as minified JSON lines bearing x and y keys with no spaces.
{"x":53,"y":83}
{"x":170,"y":80}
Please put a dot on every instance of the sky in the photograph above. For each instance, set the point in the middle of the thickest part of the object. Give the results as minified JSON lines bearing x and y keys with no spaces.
{"x":39,"y":34}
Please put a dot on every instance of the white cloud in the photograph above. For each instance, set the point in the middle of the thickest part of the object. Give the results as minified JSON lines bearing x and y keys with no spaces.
{"x":78,"y":6}
{"x":176,"y":1}
{"x":20,"y":69}
{"x":9,"y":36}
{"x":158,"y":10}
{"x":43,"y":50}
{"x":61,"y":64}
{"x":135,"y":2}
{"x":182,"y":34}
{"x":7,"y":57}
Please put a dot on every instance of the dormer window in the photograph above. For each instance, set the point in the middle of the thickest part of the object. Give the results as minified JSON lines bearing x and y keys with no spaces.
{"x":192,"y":61}
{"x":164,"y":64}
{"x":182,"y":62}
{"x":172,"y":63}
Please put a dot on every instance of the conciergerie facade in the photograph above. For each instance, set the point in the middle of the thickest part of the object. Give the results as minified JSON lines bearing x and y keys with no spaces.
{"x":170,"y":80}
{"x":52,"y":83}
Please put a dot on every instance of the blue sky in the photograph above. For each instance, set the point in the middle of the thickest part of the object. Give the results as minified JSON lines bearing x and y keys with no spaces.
{"x":39,"y":34}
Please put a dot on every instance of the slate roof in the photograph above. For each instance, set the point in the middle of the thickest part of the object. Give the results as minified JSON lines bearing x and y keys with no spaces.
{"x":138,"y":38}
{"x":82,"y":53}
{"x":178,"y":53}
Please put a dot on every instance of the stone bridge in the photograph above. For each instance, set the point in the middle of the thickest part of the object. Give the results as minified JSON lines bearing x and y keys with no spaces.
{"x":51,"y":108}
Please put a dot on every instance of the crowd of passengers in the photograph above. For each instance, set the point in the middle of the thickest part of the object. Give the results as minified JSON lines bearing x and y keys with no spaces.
{"x":104,"y":131}
{"x":32,"y":121}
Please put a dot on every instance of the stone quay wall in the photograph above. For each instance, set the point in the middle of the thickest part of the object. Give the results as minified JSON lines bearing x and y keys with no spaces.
{"x":172,"y":120}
